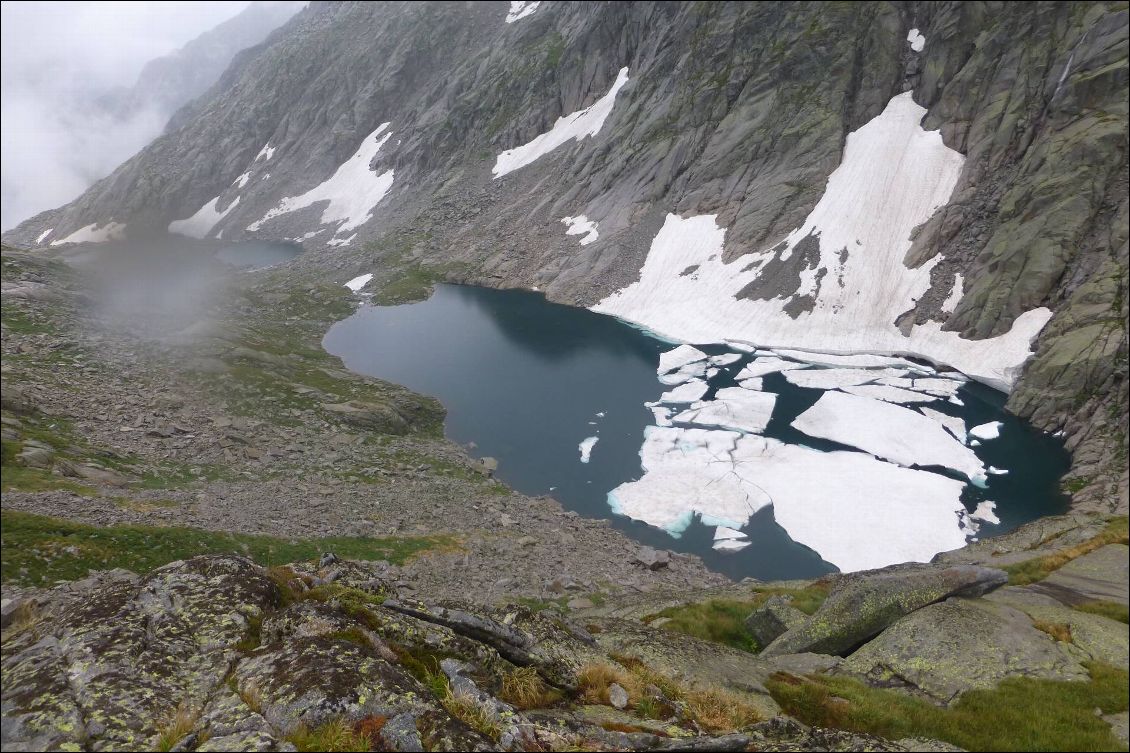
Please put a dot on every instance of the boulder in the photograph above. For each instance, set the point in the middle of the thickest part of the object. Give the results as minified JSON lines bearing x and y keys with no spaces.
{"x":773,"y":618}
{"x":945,"y":649}
{"x":864,"y":605}
{"x":652,"y":559}
{"x":35,"y":457}
{"x":617,"y":696}
{"x":377,"y":417}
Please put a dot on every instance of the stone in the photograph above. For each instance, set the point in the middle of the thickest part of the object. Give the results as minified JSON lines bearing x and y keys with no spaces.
{"x":383,"y":419}
{"x":1103,"y":574}
{"x":581,"y":603}
{"x":35,"y":457}
{"x":653,"y":559}
{"x":960,"y":644}
{"x":617,"y":696}
{"x":773,"y":618}
{"x":862,"y":605}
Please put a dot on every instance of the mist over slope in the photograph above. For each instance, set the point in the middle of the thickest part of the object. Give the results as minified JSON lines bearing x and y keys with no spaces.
{"x":460,"y":136}
{"x":71,"y":113}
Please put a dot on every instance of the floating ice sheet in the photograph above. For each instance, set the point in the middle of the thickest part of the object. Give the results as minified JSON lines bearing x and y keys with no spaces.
{"x":952,"y":424}
{"x":725,"y":359}
{"x":889,"y":394}
{"x":586,"y":446}
{"x":991,"y":430}
{"x":827,"y":379}
{"x":770,"y":365}
{"x":684,"y":373}
{"x":732,"y":408}
{"x":855,"y":511}
{"x":687,"y":392}
{"x":678,"y":357}
{"x":891,"y":432}
{"x":986,"y":512}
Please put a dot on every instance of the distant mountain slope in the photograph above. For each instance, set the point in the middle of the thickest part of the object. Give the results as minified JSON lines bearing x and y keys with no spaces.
{"x":455,"y":136}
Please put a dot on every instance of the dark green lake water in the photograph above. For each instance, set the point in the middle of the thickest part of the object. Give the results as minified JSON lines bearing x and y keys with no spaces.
{"x":526,"y":380}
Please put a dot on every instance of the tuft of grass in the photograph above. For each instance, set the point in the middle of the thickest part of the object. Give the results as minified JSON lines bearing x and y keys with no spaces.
{"x":474,"y":714}
{"x":524,"y":688}
{"x":179,"y":724}
{"x":51,"y":549}
{"x":1109,"y":609}
{"x":1061,"y":631}
{"x":251,"y":696}
{"x":26,"y":618}
{"x":335,"y":735}
{"x":1117,"y":531}
{"x":1021,"y":713}
{"x":723,"y":620}
{"x":713,"y":709}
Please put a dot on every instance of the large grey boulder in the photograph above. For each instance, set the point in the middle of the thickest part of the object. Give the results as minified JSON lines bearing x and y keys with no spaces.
{"x":863,"y":606}
{"x":776,"y":616}
{"x":377,"y":417}
{"x":958,"y":645}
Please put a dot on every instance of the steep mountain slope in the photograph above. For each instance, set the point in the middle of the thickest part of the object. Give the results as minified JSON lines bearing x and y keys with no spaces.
{"x":428,"y":134}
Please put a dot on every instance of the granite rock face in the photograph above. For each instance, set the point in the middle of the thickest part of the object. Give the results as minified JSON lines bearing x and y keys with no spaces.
{"x":734,"y":109}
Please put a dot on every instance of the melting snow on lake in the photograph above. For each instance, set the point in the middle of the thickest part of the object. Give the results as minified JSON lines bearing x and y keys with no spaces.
{"x":351,"y":193}
{"x":848,"y":256}
{"x":577,"y":125}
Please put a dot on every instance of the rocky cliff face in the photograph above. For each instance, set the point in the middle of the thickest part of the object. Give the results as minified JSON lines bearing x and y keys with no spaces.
{"x":738,"y":110}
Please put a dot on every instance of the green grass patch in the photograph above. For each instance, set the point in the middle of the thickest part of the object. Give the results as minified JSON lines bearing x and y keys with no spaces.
{"x":18,"y":478}
{"x":723,"y":620}
{"x":1109,"y":609}
{"x":50,"y":549}
{"x":1038,"y":568}
{"x":336,"y":735}
{"x":1019,"y":714}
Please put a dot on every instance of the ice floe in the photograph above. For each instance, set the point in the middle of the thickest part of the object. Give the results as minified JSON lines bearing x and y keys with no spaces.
{"x":855,"y":511}
{"x":201,"y":224}
{"x":351,"y":193}
{"x":889,"y":394}
{"x":986,"y":512}
{"x":769,"y":365}
{"x":891,"y":432}
{"x":828,"y":379}
{"x":916,"y":39}
{"x":732,"y":408}
{"x":994,"y":471}
{"x":586,"y":446}
{"x":684,"y":373}
{"x":519,"y":9}
{"x":725,"y":359}
{"x":991,"y":430}
{"x":359,"y":282}
{"x":577,"y":125}
{"x":662,"y":415}
{"x":92,"y":233}
{"x":729,"y":540}
{"x":680,"y":356}
{"x":952,"y":424}
{"x":581,"y":225}
{"x":687,"y":392}
{"x":754,"y":383}
{"x":43,"y":236}
{"x":893,"y":177}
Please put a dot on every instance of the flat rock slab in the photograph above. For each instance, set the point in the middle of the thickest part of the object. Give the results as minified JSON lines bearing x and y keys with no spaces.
{"x":960,"y":644}
{"x":1100,"y":575}
{"x":1092,"y":636}
{"x":864,"y":605}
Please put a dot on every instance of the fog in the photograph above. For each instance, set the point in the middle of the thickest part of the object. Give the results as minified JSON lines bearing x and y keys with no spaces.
{"x":58,"y":58}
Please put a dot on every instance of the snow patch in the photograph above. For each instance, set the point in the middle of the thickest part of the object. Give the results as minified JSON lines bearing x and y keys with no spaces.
{"x":111,"y":231}
{"x":43,"y":236}
{"x":359,"y":282}
{"x":950,"y":303}
{"x":916,"y":39}
{"x":582,"y":225}
{"x":893,"y":177}
{"x":201,"y":224}
{"x":352,"y":191}
{"x":265,"y":153}
{"x":891,"y":432}
{"x":586,"y":447}
{"x":577,"y":125}
{"x":241,"y":181}
{"x":519,"y":9}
